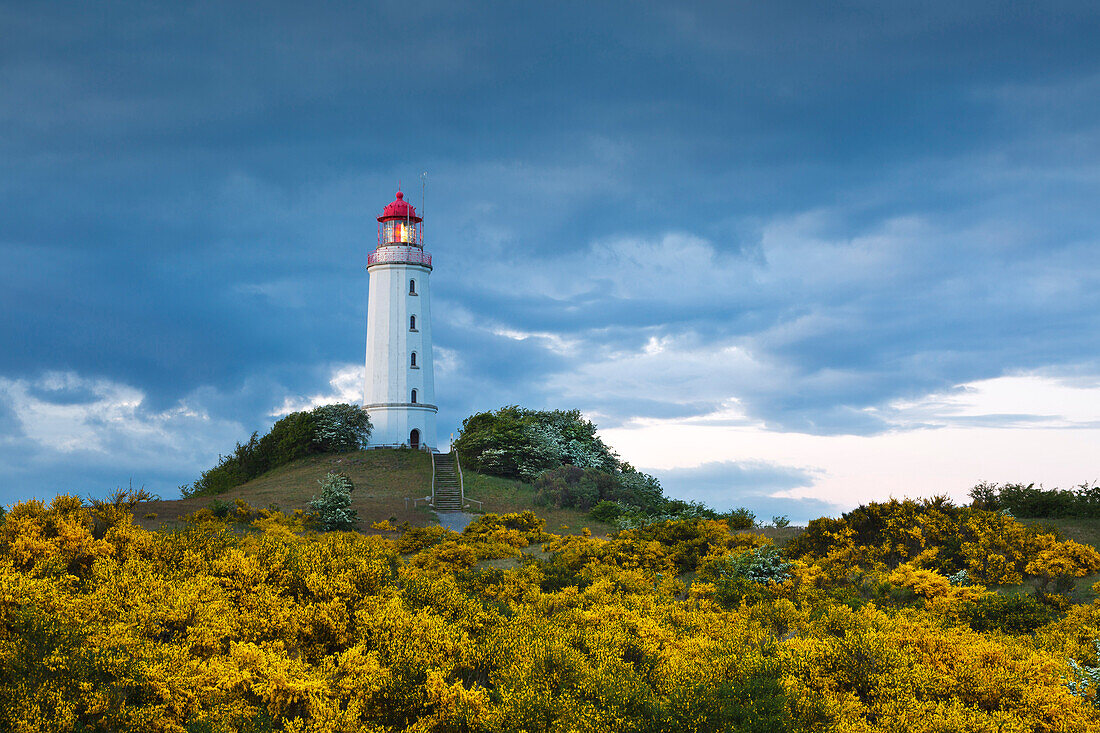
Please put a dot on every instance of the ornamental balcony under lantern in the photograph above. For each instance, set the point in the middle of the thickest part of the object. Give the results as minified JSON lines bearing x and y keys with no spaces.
{"x":399,"y":255}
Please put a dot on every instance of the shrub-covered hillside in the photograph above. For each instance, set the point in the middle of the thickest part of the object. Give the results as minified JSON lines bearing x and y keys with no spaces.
{"x":884,"y":620}
{"x":570,"y":466}
{"x":337,"y":428}
{"x":550,"y":459}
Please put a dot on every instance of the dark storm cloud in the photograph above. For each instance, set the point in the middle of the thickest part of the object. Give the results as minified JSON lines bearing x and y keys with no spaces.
{"x":187,"y":196}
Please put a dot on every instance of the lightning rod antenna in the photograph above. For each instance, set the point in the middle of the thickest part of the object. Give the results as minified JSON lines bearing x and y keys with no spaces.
{"x":423,"y":194}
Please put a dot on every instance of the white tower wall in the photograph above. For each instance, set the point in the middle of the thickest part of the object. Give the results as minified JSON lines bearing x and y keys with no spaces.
{"x":390,"y":376}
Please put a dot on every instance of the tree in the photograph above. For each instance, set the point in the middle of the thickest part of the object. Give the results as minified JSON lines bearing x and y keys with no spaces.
{"x":332,"y":509}
{"x":289,"y":439}
{"x":341,"y":428}
{"x":515,"y":442}
{"x":572,"y":486}
{"x":335,"y":428}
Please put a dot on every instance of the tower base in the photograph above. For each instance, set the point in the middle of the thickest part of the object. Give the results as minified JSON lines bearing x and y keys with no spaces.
{"x":393,"y":425}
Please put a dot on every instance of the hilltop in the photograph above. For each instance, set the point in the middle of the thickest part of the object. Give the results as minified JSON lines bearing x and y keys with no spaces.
{"x":514,"y":459}
{"x":383,"y":479}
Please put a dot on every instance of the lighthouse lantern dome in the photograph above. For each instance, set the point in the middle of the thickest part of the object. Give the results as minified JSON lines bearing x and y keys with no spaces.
{"x":399,"y":224}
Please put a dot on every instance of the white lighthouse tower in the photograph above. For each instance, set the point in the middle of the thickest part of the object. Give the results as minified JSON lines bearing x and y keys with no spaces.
{"x":399,"y":388}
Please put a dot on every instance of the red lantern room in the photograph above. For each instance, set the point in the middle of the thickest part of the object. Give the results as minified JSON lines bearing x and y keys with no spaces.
{"x":399,"y":225}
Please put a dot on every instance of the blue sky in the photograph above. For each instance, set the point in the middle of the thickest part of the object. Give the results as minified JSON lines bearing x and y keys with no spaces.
{"x":788,"y":255}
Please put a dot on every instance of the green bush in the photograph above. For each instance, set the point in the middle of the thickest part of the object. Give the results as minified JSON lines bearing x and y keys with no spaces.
{"x":606,"y":512}
{"x":328,"y":428}
{"x":1028,"y":501}
{"x":740,"y":518}
{"x":340,"y":428}
{"x":571,"y":486}
{"x":1018,"y":614}
{"x":638,"y":489}
{"x":745,"y":575}
{"x":332,"y":509}
{"x":291,"y":438}
{"x":220,"y":508}
{"x":985,"y":496}
{"x":518,"y":443}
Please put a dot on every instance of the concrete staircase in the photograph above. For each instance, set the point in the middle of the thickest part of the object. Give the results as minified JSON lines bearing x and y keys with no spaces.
{"x":446,"y":491}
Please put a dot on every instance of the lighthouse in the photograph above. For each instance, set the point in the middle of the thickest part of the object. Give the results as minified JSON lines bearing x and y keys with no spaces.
{"x":399,"y":386}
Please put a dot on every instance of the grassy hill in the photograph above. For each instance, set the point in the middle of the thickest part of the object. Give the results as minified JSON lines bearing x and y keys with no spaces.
{"x":383,"y":479}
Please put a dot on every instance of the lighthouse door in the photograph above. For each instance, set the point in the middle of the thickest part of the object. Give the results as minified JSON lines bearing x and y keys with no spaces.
{"x":414,"y":440}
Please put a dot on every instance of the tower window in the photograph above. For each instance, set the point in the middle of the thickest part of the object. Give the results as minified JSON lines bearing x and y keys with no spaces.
{"x":413,"y":400}
{"x":412,"y":287}
{"x":412,"y":323}
{"x":412,"y":360}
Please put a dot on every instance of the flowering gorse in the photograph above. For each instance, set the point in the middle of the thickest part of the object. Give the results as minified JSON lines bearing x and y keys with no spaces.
{"x":502,"y":627}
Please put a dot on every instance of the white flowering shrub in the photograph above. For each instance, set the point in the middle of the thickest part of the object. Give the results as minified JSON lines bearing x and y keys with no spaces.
{"x":332,"y":509}
{"x":960,"y":578}
{"x":1088,"y":679}
{"x":341,"y":427}
{"x":519,"y":443}
{"x":748,"y":576}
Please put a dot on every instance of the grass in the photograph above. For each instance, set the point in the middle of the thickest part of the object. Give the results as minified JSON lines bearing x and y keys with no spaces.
{"x":1085,"y":530}
{"x":503,"y":496}
{"x":384,"y":478}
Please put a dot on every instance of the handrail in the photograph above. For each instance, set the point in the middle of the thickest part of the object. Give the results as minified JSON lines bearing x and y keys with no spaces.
{"x":432,"y":454}
{"x":462,"y":485}
{"x":411,"y":254}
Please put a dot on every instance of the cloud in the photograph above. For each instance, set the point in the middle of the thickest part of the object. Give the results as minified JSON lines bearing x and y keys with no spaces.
{"x":73,"y":433}
{"x":807,"y":220}
{"x":1025,"y":400}
{"x":807,"y":330}
{"x":754,"y":485}
{"x":939,"y":445}
{"x":345,"y":385}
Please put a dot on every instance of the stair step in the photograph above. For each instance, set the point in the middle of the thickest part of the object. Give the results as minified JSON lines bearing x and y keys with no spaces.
{"x":447,"y":484}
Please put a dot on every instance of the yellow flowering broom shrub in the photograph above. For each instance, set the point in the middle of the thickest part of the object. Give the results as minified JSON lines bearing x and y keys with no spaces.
{"x":993,"y":548}
{"x":264,"y":626}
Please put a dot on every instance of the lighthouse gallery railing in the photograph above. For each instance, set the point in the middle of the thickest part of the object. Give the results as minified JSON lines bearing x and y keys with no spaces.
{"x":413,"y":255}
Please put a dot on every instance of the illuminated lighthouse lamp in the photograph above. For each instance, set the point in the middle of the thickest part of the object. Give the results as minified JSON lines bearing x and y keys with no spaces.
{"x":399,"y":224}
{"x":400,"y":235}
